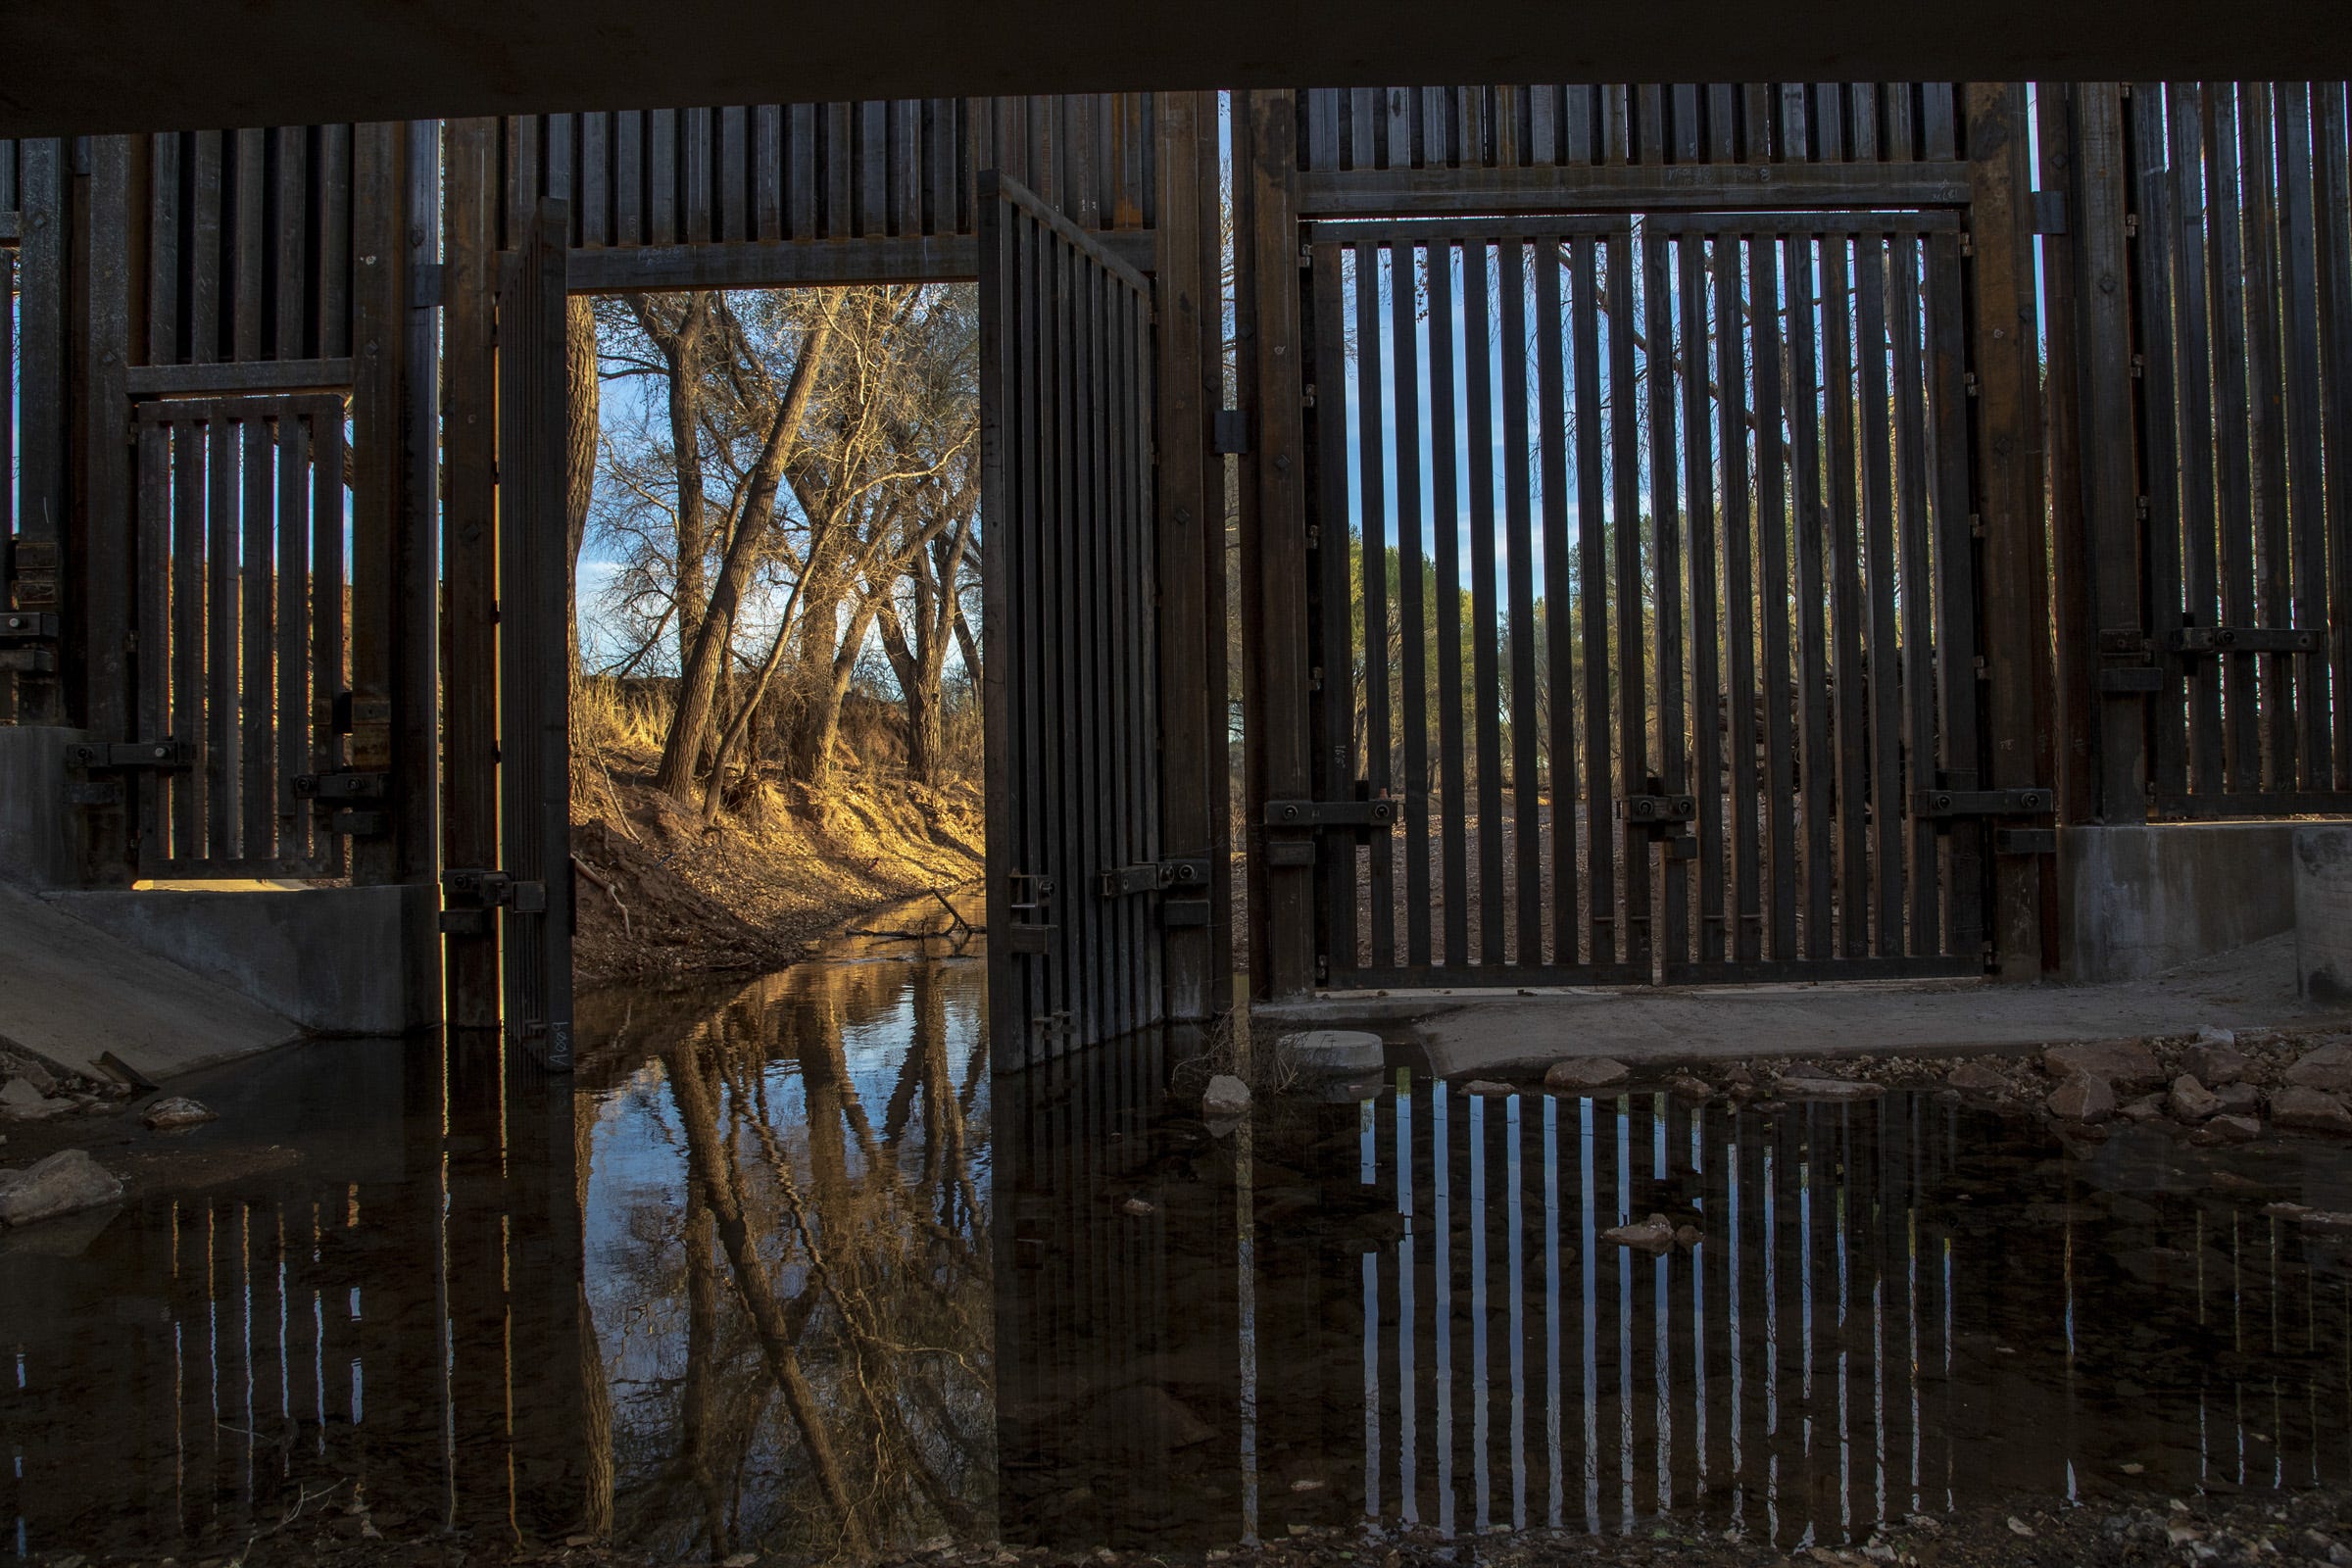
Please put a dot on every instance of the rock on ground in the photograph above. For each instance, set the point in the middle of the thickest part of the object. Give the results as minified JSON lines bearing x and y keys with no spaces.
{"x":1978,"y":1078}
{"x":1489,"y":1088}
{"x":2124,"y":1063}
{"x":2234,"y":1129}
{"x":2327,"y":1068}
{"x":2148,"y":1107}
{"x":2311,"y":1110}
{"x":21,"y":1100}
{"x":1582,"y":1074}
{"x":1225,"y":1095}
{"x":66,"y":1183}
{"x":1652,"y":1235}
{"x":2214,"y":1064}
{"x":2084,"y":1099}
{"x":2191,"y":1100}
{"x":1333,"y":1051}
{"x":178,"y":1111}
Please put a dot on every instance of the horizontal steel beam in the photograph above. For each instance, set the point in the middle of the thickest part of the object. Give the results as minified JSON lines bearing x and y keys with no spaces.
{"x":793,"y":264}
{"x":237,"y":379}
{"x":1636,"y":189}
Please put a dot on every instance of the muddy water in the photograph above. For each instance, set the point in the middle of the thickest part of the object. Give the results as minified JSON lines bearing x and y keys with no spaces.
{"x":785,"y":1269}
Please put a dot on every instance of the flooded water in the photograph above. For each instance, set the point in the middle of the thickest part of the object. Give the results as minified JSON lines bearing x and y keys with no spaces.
{"x":787,"y":1270}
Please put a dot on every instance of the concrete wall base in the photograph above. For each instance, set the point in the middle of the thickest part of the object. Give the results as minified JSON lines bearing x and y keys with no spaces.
{"x":336,"y":961}
{"x":41,"y":835}
{"x":2324,"y":913}
{"x":2134,"y":901}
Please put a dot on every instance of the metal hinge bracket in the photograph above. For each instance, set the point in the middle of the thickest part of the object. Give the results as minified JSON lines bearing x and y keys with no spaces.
{"x":1381,"y":811}
{"x":337,"y":788}
{"x":164,"y":757}
{"x":1153,"y":876}
{"x":2242,"y":640}
{"x":1942,"y":805}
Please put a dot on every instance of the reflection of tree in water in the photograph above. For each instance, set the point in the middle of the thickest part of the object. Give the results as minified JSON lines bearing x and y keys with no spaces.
{"x":805,"y":1363}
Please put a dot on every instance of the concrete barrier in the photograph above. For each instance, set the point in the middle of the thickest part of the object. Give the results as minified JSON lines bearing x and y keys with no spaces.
{"x":2323,"y":866}
{"x":2138,"y":901}
{"x":337,"y":960}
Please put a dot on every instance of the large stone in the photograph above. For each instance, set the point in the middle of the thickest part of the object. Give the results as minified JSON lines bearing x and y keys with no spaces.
{"x":2191,"y":1100}
{"x":178,"y":1111}
{"x":2214,"y":1063}
{"x":2328,"y":1067}
{"x":2236,"y":1129}
{"x":2084,"y":1099}
{"x":1581,"y":1075}
{"x":66,"y":1183}
{"x":1489,"y":1088}
{"x":20,"y":1100}
{"x":1333,"y":1053}
{"x":2147,"y":1107}
{"x":2239,"y":1098}
{"x":1652,"y":1235}
{"x":2124,"y":1063}
{"x":1225,"y":1097}
{"x":2311,"y":1110}
{"x":1978,"y":1078}
{"x":1802,"y":1088}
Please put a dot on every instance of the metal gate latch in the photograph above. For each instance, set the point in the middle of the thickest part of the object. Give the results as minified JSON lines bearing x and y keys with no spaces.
{"x":166,"y":756}
{"x":469,"y":897}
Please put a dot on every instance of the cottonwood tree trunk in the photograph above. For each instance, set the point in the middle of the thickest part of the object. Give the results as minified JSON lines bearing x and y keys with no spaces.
{"x":706,"y":651}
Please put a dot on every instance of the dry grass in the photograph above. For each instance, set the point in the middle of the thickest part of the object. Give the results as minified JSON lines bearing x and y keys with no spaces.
{"x":665,"y":893}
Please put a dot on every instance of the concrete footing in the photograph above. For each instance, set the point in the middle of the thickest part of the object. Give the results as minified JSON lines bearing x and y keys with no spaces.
{"x":2136,"y":902}
{"x":2323,"y":871}
{"x":336,"y":961}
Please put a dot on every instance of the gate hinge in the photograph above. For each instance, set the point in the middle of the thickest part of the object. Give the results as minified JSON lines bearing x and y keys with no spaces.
{"x":1968,"y":381}
{"x":1153,"y":876}
{"x":1229,"y":433}
{"x":342,"y":786}
{"x":2242,"y":640}
{"x":2124,"y":642}
{"x":1382,"y":812}
{"x":425,"y":285}
{"x":2050,"y":212}
{"x":1306,"y":395}
{"x":1658,"y":813}
{"x":1943,"y":804}
{"x":468,"y":896}
{"x":345,"y":789}
{"x":1968,"y":243}
{"x":2130,"y":225}
{"x":166,"y":755}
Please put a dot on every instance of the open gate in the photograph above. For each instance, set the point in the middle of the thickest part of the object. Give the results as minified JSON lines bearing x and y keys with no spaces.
{"x":1649,"y":640}
{"x":1071,"y":677}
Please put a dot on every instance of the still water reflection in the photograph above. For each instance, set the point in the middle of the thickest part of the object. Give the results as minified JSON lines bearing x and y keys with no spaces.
{"x":787,"y":1270}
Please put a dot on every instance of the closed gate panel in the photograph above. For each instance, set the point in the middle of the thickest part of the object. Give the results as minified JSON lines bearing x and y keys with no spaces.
{"x":1070,"y":669}
{"x":242,"y":632}
{"x":1654,"y":600}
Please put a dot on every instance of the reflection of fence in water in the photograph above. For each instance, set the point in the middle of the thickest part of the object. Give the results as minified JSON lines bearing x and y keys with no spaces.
{"x":1857,"y":1338}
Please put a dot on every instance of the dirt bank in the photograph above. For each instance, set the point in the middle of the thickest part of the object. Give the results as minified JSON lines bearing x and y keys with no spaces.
{"x":662,"y":893}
